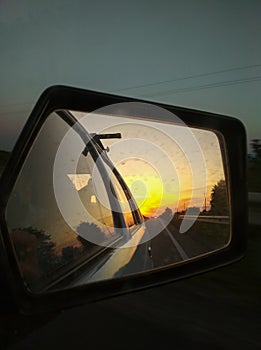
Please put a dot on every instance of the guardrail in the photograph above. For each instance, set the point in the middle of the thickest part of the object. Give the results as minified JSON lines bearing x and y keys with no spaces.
{"x":218,"y":219}
{"x":254,"y":211}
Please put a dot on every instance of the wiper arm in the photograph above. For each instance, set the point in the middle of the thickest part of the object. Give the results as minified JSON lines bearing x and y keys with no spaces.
{"x":98,"y":137}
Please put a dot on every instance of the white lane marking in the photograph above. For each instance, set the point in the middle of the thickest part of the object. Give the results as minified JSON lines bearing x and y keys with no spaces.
{"x":176,"y":244}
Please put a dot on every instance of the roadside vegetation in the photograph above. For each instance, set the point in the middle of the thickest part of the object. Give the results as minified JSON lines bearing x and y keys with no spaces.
{"x":254,"y":167}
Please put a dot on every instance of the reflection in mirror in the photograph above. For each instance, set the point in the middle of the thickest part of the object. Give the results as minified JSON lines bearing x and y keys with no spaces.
{"x":119,"y":193}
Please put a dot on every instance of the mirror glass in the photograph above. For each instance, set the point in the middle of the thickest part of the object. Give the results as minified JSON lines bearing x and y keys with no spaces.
{"x":123,"y":190}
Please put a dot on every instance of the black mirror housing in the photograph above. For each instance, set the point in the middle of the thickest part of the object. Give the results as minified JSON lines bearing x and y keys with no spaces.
{"x":57,"y":98}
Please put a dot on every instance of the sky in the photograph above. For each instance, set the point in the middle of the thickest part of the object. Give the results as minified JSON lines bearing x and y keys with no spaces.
{"x":201,"y":54}
{"x":161,"y":163}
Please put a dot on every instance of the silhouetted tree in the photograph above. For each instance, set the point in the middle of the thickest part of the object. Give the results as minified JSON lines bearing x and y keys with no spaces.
{"x":219,"y":202}
{"x":92,"y":233}
{"x":42,"y":249}
{"x":47,"y":257}
{"x":70,"y":253}
{"x":166,"y":216}
{"x":256,"y":148}
{"x":193,"y":211}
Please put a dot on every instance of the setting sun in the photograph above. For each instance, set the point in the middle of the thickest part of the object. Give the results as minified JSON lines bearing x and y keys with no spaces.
{"x":148,"y":193}
{"x":164,"y":165}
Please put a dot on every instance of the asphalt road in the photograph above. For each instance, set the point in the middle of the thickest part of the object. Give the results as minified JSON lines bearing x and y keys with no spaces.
{"x":216,"y":310}
{"x":171,"y":246}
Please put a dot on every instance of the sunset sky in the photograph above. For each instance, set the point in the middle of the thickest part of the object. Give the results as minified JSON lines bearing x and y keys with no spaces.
{"x":161,"y":163}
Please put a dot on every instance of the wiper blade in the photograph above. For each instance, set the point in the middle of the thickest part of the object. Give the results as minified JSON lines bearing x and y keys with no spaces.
{"x":98,"y":137}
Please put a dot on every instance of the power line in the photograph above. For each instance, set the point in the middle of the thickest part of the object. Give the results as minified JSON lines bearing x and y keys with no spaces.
{"x":205,"y":86}
{"x":180,"y":90}
{"x":189,"y":77}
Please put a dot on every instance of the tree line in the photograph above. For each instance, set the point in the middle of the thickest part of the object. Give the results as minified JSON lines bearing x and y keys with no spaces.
{"x":254,"y":166}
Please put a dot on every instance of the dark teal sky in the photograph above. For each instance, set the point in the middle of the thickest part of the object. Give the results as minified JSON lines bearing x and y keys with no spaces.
{"x":200,"y":54}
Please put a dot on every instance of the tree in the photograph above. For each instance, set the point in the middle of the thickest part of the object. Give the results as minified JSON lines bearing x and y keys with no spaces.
{"x":219,"y":200}
{"x":256,"y":148}
{"x":69,"y":253}
{"x":89,"y":232}
{"x":166,"y":216}
{"x":36,"y":252}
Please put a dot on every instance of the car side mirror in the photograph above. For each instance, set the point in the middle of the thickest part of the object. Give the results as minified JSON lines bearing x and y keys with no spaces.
{"x":105,"y":195}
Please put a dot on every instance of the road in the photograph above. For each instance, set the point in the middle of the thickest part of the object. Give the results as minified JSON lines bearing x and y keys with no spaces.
{"x":167,"y":247}
{"x":164,"y":247}
{"x":162,"y":250}
{"x":171,"y":246}
{"x":131,"y":257}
